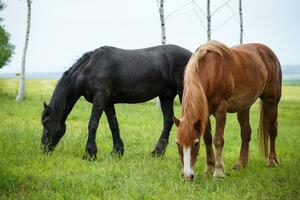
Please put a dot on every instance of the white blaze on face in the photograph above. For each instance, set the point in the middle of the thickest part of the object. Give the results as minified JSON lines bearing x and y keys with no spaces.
{"x":187,"y":168}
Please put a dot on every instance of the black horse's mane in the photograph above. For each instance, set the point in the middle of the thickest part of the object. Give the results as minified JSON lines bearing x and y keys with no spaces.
{"x":64,"y":84}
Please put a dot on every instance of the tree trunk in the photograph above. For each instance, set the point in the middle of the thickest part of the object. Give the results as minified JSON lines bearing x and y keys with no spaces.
{"x":163,"y":32}
{"x":208,"y":21}
{"x":162,"y":21}
{"x":241,"y":22}
{"x":21,"y":94}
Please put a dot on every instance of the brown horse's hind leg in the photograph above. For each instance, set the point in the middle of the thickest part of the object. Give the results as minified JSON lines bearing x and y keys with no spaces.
{"x":270,"y":115}
{"x":210,"y":157}
{"x":243,"y":119}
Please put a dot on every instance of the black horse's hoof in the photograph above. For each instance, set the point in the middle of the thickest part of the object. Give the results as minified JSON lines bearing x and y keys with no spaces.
{"x":89,"y":157}
{"x":46,"y":149}
{"x":117,"y":151}
{"x":158,"y":152}
{"x":160,"y":148}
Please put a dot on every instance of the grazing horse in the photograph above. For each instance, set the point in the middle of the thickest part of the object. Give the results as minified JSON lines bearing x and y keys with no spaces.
{"x":220,"y":80}
{"x":109,"y":75}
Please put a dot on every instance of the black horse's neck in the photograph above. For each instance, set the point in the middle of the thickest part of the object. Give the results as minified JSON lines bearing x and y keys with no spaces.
{"x":63,"y":99}
{"x":67,"y":91}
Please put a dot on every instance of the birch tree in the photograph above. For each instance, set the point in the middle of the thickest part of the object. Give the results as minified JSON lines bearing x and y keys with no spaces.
{"x":208,"y":21}
{"x":162,"y":29}
{"x":162,"y":21}
{"x":21,"y":93}
{"x":208,"y":14}
{"x":241,"y":22}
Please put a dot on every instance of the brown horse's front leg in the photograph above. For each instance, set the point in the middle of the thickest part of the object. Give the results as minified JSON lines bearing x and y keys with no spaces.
{"x":243,"y":118}
{"x":220,"y":116}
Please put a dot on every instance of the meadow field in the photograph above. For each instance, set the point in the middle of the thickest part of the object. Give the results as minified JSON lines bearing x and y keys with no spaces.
{"x":27,"y":173}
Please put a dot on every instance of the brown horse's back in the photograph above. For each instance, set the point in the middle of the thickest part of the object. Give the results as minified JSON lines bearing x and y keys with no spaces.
{"x":266,"y":62}
{"x":250,"y":71}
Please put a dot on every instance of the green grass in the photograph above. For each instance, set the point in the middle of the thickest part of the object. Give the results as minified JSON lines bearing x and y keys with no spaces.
{"x":26,"y":173}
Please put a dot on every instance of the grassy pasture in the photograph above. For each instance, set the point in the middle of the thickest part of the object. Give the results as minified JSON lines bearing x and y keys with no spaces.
{"x":26,"y":173}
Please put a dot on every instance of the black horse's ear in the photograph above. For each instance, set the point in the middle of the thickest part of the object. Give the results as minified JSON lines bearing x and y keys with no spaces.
{"x":47,"y":108}
{"x":176,"y":121}
{"x":197,"y":126}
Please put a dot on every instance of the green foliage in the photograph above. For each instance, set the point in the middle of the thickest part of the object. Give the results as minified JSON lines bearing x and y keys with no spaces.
{"x":6,"y":48}
{"x":26,"y":173}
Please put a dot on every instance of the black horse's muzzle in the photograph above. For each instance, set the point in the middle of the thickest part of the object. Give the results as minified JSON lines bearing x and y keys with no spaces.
{"x":46,"y":145}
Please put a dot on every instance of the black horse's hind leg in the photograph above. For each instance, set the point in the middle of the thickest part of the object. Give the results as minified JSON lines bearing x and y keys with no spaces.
{"x":99,"y":103}
{"x":180,"y":93}
{"x":118,"y":147}
{"x":167,"y":110}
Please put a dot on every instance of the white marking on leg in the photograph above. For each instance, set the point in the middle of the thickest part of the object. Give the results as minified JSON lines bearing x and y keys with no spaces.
{"x":187,"y":169}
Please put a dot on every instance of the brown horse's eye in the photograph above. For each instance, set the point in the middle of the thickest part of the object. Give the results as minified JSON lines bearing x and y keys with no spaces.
{"x":196,"y":144}
{"x":179,"y":148}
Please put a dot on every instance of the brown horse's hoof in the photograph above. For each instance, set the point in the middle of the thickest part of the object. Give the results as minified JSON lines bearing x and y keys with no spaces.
{"x":219,"y":172}
{"x":272,"y":162}
{"x":238,"y":165}
{"x":209,"y":170}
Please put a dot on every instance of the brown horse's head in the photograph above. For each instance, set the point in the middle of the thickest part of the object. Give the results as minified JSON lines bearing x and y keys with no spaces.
{"x":187,"y":140}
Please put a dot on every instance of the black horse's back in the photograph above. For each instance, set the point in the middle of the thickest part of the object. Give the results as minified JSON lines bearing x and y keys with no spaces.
{"x":134,"y":76}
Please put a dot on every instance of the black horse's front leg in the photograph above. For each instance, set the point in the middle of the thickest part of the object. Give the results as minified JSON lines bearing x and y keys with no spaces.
{"x":168,"y":113}
{"x":118,"y":147}
{"x":91,"y":147}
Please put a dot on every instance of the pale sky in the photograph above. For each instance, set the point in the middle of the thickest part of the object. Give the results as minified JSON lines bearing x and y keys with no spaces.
{"x":62,"y":30}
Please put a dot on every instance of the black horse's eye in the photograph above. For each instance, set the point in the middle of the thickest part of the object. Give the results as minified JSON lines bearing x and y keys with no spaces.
{"x":45,"y":120}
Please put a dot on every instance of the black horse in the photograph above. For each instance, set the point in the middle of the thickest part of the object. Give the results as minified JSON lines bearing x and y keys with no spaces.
{"x":110,"y":75}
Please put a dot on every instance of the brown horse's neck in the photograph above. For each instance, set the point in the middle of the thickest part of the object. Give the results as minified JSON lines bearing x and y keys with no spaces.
{"x":194,"y":107}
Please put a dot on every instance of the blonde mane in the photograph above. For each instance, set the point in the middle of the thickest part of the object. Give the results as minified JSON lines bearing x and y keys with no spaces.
{"x":194,"y":104}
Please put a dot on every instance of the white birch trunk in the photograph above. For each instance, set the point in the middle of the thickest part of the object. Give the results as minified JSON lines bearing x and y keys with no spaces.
{"x":241,"y":22}
{"x":162,"y":21}
{"x":208,"y":21}
{"x":163,"y":32}
{"x":21,"y":94}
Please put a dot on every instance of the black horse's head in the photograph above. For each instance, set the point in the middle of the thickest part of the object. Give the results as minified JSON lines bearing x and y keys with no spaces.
{"x":53,"y":129}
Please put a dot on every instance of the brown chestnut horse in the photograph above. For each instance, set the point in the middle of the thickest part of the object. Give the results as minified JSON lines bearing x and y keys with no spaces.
{"x":218,"y":80}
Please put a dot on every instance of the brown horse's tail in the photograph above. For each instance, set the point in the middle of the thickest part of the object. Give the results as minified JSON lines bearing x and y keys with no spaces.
{"x":263,"y":131}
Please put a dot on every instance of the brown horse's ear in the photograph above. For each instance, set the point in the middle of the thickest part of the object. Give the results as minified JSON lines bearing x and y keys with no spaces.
{"x":176,"y":121}
{"x":197,"y":126}
{"x":47,"y":108}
